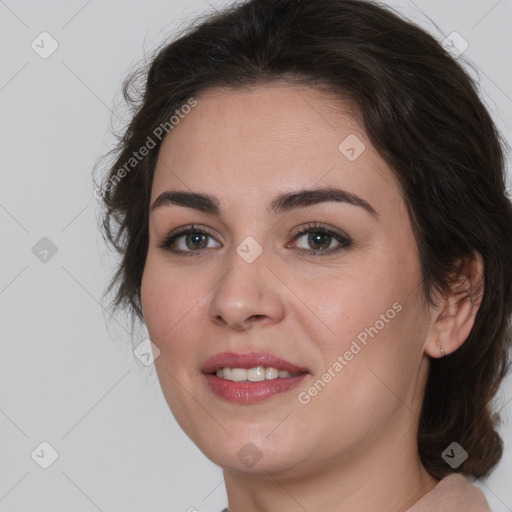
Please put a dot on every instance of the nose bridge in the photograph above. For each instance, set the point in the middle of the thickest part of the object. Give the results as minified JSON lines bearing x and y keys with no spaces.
{"x":247,"y":291}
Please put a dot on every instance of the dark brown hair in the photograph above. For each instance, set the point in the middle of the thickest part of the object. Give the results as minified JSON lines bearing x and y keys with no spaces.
{"x":421,"y":111}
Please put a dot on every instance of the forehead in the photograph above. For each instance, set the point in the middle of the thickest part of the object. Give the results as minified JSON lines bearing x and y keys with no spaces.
{"x":272,"y":117}
{"x":246,"y":144}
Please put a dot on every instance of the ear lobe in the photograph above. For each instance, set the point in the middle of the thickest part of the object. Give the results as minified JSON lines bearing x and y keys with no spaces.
{"x":452,"y":325}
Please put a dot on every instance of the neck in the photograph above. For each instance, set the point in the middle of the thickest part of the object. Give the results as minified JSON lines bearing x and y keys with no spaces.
{"x":383,"y":476}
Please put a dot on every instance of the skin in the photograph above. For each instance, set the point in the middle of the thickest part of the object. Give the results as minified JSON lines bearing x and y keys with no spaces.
{"x":353,"y":446}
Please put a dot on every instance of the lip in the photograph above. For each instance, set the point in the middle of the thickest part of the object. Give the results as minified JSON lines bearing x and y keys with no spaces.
{"x":249,"y":360}
{"x":250,"y":392}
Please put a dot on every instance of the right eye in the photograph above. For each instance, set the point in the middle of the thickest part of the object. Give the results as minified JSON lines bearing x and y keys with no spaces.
{"x":187,"y":240}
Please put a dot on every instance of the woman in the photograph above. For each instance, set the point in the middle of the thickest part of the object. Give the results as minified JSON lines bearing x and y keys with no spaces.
{"x":310,"y":206}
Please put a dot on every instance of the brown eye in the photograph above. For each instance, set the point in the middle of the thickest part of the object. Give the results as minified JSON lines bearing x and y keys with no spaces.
{"x":186,"y":241}
{"x":196,"y":241}
{"x":319,"y":240}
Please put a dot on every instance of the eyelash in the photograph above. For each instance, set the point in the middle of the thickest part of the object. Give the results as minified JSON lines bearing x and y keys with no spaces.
{"x":314,"y":227}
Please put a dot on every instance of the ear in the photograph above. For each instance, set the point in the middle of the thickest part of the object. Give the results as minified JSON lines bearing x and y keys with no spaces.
{"x":455,"y":317}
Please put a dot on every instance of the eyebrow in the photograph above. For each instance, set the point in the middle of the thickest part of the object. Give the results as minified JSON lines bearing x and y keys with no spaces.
{"x":280,"y":204}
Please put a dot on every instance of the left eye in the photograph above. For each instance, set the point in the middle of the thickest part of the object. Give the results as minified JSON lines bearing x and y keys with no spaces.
{"x":320,"y":239}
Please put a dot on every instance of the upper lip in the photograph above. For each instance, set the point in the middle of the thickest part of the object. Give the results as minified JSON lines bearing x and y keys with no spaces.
{"x":249,"y":360}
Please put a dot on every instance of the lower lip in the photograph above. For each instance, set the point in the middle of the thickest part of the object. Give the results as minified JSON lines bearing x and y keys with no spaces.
{"x":250,"y":392}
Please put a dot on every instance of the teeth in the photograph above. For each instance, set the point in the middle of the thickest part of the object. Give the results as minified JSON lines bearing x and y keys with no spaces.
{"x":256,"y":374}
{"x":271,"y":373}
{"x":238,"y":374}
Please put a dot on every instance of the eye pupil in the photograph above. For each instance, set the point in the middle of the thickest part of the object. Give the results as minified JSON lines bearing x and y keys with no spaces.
{"x":316,"y":238}
{"x":194,"y":237}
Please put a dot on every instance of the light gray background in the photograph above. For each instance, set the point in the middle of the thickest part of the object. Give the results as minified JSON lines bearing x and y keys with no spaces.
{"x":67,"y":372}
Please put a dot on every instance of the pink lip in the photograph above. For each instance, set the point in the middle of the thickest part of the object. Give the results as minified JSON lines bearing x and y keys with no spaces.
{"x":249,"y":392}
{"x":249,"y":360}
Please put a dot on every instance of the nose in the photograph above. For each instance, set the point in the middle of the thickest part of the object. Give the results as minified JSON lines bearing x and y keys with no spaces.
{"x":247,"y":294}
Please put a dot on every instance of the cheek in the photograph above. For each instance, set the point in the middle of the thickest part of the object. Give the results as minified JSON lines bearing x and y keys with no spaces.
{"x":165,"y":300}
{"x":171,"y":308}
{"x":153,"y":301}
{"x":355,"y":301}
{"x":374,"y":319}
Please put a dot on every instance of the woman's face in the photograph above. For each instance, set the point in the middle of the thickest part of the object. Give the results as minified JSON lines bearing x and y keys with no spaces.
{"x":340,"y":301}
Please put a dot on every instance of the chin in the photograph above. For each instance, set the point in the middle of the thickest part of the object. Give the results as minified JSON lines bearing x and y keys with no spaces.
{"x":251,"y":451}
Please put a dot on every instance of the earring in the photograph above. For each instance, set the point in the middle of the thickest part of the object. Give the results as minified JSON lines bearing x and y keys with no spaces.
{"x":442,"y":351}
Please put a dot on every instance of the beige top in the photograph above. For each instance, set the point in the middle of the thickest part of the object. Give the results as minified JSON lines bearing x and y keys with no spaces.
{"x":453,"y":493}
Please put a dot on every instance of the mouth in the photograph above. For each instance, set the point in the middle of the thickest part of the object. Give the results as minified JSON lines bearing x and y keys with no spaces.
{"x":247,"y":378}
{"x":252,"y":366}
{"x":255,"y":374}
